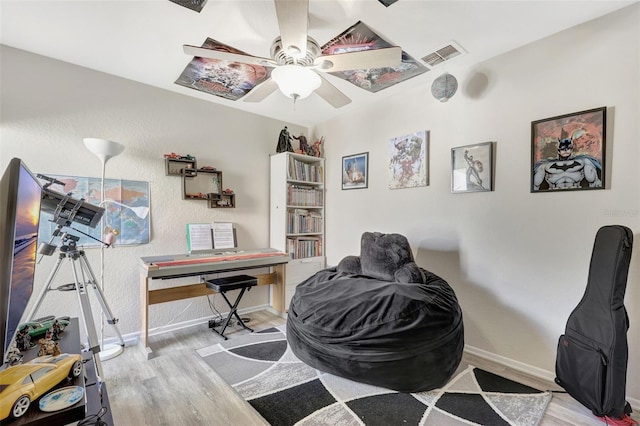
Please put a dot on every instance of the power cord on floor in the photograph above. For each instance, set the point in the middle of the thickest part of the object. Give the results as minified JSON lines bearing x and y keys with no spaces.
{"x":212,"y":305}
{"x":94,"y":419}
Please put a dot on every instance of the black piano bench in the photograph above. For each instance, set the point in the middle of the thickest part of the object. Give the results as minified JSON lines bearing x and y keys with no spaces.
{"x":224,"y":284}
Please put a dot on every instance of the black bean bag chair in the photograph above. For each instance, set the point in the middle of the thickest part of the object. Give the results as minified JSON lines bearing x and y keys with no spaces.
{"x":378,"y":319}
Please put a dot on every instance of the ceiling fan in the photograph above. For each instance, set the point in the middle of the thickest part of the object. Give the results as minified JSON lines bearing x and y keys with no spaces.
{"x":298,"y":61}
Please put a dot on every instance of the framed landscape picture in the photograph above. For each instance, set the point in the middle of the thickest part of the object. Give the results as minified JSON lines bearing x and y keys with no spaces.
{"x":472,"y":168}
{"x":355,"y":171}
{"x":568,"y":151}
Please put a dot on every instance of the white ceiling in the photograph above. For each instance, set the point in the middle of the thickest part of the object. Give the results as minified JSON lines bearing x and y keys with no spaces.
{"x":142,"y":40}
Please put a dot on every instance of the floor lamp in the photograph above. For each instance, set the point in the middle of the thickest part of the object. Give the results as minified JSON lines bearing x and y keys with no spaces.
{"x":104,"y":149}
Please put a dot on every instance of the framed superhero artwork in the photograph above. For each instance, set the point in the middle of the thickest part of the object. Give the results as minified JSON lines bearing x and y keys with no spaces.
{"x":408,"y":160}
{"x":568,"y":151}
{"x":472,"y":168}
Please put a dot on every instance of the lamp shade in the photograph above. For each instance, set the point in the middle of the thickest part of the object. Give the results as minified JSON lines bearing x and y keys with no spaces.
{"x":103,"y":148}
{"x":444,"y":87}
{"x":296,"y":81}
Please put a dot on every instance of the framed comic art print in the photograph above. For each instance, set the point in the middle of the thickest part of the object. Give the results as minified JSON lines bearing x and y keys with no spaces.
{"x":408,"y":160}
{"x":472,"y":168}
{"x":568,"y":151}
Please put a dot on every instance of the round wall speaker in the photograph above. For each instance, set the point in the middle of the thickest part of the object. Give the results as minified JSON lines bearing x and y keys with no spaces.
{"x":444,"y":87}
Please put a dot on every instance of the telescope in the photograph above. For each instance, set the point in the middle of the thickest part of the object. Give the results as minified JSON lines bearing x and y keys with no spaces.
{"x":68,"y":209}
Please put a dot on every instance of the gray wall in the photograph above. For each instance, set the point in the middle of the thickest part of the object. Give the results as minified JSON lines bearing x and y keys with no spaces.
{"x":518,"y":261}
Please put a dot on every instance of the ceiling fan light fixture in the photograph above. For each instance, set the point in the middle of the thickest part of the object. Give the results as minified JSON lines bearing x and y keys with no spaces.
{"x":296,"y":81}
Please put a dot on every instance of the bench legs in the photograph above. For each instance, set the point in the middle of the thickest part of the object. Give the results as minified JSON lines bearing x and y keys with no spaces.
{"x":232,"y":313}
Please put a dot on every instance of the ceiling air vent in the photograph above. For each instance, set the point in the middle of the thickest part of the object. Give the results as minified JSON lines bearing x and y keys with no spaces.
{"x":445,"y":53}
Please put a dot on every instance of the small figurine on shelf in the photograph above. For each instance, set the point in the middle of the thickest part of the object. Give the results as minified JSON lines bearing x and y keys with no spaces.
{"x":55,"y":330}
{"x":284,"y":141}
{"x":14,"y":357}
{"x":23,"y":340}
{"x":48,"y":347}
{"x":305,"y":148}
{"x":317,"y":147}
{"x":172,"y":155}
{"x":228,"y":191}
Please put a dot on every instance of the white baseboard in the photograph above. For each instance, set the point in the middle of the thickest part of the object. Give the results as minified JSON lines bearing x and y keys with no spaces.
{"x":131,"y":339}
{"x":528,"y":369}
{"x":511,"y":363}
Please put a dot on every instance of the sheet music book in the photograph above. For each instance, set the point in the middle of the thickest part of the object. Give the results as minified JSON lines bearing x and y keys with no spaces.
{"x":223,"y":235}
{"x":203,"y":237}
{"x":199,"y":237}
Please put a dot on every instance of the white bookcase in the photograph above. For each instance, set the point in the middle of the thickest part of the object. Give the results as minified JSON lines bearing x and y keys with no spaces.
{"x":297,"y":215}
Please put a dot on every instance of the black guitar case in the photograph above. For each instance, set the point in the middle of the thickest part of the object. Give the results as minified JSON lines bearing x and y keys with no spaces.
{"x":591,"y":362}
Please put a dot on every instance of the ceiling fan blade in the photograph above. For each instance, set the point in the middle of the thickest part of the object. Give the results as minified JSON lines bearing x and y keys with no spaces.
{"x":293,"y":21}
{"x":261,"y":91}
{"x":203,"y":52}
{"x":362,"y":60}
{"x":332,"y":94}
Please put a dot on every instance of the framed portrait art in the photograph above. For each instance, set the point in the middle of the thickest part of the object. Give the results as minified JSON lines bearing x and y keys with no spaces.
{"x":472,"y":168}
{"x":355,"y":171}
{"x":568,"y":151}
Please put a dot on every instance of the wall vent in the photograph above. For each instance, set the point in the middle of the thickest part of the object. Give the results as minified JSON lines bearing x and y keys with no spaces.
{"x":444,"y":53}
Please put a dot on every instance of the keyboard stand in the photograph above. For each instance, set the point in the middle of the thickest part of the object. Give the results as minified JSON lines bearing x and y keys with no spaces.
{"x":222,"y":285}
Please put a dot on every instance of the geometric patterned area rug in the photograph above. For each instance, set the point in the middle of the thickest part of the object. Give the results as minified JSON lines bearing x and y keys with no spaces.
{"x":287,"y":392}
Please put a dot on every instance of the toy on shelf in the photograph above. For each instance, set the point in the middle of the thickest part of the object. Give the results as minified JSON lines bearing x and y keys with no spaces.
{"x":175,"y":156}
{"x":23,"y":340}
{"x":24,"y":383}
{"x":305,"y":148}
{"x":317,"y":147}
{"x":55,"y":330}
{"x":198,"y":195}
{"x":14,"y":357}
{"x":48,"y":347}
{"x":38,"y":328}
{"x":284,"y":141}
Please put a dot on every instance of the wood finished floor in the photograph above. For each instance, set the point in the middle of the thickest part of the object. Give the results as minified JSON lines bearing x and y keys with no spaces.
{"x":177,"y":388}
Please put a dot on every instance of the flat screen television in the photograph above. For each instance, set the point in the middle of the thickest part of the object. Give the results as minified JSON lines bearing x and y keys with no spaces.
{"x":20,"y":198}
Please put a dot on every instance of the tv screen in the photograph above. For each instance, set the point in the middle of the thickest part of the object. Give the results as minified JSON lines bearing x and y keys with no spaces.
{"x":20,"y":198}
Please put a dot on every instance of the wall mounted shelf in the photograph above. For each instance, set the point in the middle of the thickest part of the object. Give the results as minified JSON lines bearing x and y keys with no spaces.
{"x":204,"y":183}
{"x":179,"y":166}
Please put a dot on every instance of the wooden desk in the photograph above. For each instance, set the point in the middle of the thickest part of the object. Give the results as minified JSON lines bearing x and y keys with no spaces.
{"x":182,"y":265}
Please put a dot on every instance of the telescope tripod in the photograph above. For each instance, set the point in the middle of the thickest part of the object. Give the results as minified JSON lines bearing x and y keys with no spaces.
{"x":69,"y":250}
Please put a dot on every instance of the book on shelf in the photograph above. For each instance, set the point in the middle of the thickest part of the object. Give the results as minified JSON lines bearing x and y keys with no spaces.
{"x":304,"y":246}
{"x":304,"y":196}
{"x":301,"y":221}
{"x":303,"y":171}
